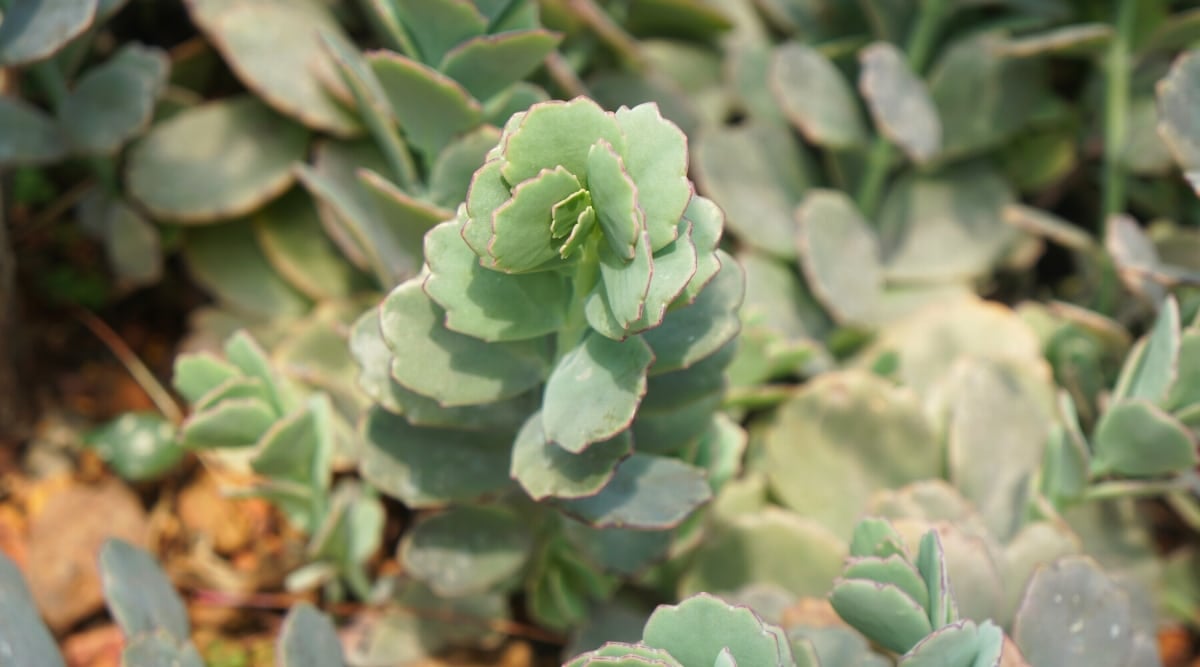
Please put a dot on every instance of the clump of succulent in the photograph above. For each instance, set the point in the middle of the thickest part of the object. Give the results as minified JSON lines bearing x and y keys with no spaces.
{"x":152,"y":617}
{"x":901,"y":601}
{"x":244,"y":411}
{"x":566,"y":340}
{"x":85,"y":116}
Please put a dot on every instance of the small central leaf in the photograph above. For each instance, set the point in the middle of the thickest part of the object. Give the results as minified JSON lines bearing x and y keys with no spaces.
{"x":566,"y":213}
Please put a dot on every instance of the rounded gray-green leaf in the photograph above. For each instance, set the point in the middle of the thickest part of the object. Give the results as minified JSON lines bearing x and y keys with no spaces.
{"x":227,"y":260}
{"x":137,"y":445}
{"x":899,"y":102}
{"x":30,"y":136}
{"x":467,"y":550}
{"x":693,"y":332}
{"x":614,"y":654}
{"x":23,"y":634}
{"x":1138,"y":439}
{"x":275,"y":50}
{"x":546,"y":470}
{"x":816,"y":97}
{"x":486,"y":65}
{"x":34,"y":30}
{"x":882,"y":612}
{"x":594,"y":391}
{"x":428,"y":467}
{"x":430,"y":107}
{"x":962,"y":643}
{"x":490,"y":305}
{"x":699,"y":629}
{"x":764,"y":547}
{"x":140,"y":596}
{"x":113,"y":102}
{"x":756,"y":173}
{"x":291,"y":238}
{"x":646,"y":493}
{"x":309,"y":639}
{"x":846,"y":435}
{"x":215,"y":161}
{"x":1178,"y":95}
{"x":449,"y":367}
{"x":1074,"y":615}
{"x":840,"y":255}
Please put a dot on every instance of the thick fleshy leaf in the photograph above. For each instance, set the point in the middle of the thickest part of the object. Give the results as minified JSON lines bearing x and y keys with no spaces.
{"x":1079,"y":39}
{"x":1074,"y":615}
{"x":374,"y":359}
{"x":490,"y":305}
{"x":467,"y":550}
{"x":290,"y":235}
{"x":882,"y":612}
{"x":698,"y":629}
{"x":521,"y":238}
{"x":615,"y":197}
{"x":992,"y":408}
{"x":1177,"y":95}
{"x":113,"y":102}
{"x":824,"y":646}
{"x":816,"y":97}
{"x":1152,"y":366}
{"x":140,"y":596}
{"x":557,"y":134}
{"x":962,"y":644}
{"x":931,"y":563}
{"x":674,"y":267}
{"x":308,"y":638}
{"x":431,"y":108}
{"x":137,"y":445}
{"x":1186,"y":390}
{"x":237,"y":422}
{"x":594,"y":391}
{"x":899,"y":102}
{"x":450,"y":367}
{"x":1138,"y":439}
{"x":983,"y":98}
{"x":646,"y":493}
{"x":669,"y":433}
{"x":764,"y":547}
{"x":34,"y":30}
{"x":215,"y":161}
{"x":227,"y":260}
{"x":425,"y":467}
{"x":620,"y":550}
{"x":436,"y":26}
{"x":625,"y":655}
{"x":546,"y":470}
{"x":708,"y":222}
{"x":625,"y":285}
{"x":406,"y":217}
{"x":894,"y":570}
{"x":656,"y":157}
{"x":450,"y":176}
{"x":30,"y":137}
{"x":275,"y":49}
{"x":840,"y":256}
{"x":131,"y":242}
{"x":756,"y":173}
{"x":488,"y":64}
{"x":299,"y":447}
{"x":23,"y":634}
{"x":945,"y":227}
{"x":693,"y":332}
{"x":849,"y":434}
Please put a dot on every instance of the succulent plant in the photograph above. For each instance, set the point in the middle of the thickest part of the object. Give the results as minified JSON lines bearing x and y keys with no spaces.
{"x":250,"y":412}
{"x":152,"y":617}
{"x":569,"y":332}
{"x":86,"y":116}
{"x":1070,"y":614}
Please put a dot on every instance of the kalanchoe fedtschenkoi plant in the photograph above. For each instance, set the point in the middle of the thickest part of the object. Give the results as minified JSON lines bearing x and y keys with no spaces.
{"x":569,"y":332}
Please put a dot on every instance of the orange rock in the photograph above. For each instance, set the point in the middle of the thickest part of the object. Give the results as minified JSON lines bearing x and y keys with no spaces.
{"x":65,"y":536}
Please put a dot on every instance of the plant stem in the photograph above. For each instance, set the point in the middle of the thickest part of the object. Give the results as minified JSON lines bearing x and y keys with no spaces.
{"x":564,"y":75}
{"x":587,"y":274}
{"x":145,"y":378}
{"x":1116,"y":108}
{"x":1134,"y":489}
{"x":919,"y":49}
